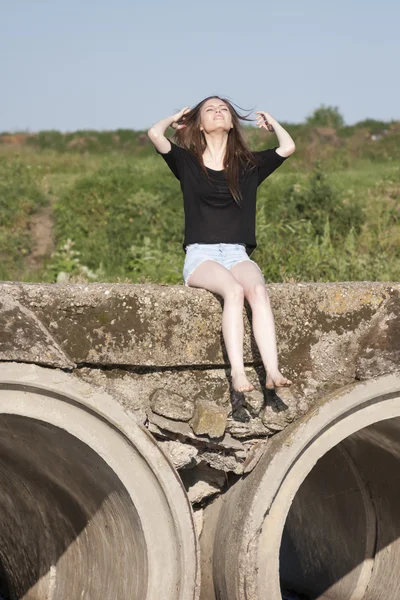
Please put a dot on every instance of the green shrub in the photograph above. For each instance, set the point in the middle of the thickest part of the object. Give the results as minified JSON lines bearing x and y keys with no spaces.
{"x":20,"y":197}
{"x":111,"y":213}
{"x":335,"y":244}
{"x":326,"y":116}
{"x":319,"y":202}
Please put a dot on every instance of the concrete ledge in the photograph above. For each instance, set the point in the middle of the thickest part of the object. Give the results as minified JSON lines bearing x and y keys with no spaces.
{"x":160,"y":326}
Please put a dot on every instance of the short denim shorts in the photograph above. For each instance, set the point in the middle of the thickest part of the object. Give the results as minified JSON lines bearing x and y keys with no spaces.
{"x":226,"y":255}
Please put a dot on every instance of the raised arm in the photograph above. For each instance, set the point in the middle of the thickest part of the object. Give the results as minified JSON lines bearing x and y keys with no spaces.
{"x":156,"y":132}
{"x":286,"y":143}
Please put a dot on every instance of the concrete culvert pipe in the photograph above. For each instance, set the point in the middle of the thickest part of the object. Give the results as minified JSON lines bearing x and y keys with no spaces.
{"x":90,"y":507}
{"x":319,"y":517}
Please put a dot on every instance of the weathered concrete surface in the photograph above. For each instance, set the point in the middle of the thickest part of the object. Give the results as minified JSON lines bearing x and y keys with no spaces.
{"x":154,"y":325}
{"x":158,"y":350}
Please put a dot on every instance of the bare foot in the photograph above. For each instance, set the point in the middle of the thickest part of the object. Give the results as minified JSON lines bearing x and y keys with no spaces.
{"x":241,"y":383}
{"x":276,"y":381}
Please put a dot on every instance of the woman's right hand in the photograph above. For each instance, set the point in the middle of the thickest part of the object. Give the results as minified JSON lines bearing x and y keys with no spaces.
{"x":177,"y":118}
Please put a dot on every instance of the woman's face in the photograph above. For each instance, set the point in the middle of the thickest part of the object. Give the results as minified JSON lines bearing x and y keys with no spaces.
{"x":215,"y":115}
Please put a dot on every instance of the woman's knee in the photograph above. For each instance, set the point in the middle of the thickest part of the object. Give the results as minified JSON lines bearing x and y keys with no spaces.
{"x":257,"y":294}
{"x":234,"y":293}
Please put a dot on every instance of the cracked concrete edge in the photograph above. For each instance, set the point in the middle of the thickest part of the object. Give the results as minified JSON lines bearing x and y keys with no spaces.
{"x":26,"y":339}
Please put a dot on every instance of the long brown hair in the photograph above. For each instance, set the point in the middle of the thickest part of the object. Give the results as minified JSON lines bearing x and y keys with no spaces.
{"x":238,"y":157}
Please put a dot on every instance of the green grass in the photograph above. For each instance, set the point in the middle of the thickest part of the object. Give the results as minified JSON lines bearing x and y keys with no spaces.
{"x":118,"y":215}
{"x":20,"y":198}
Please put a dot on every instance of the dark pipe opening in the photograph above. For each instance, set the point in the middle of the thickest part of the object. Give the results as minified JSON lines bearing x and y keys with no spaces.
{"x":345,"y":519}
{"x":68,"y":528}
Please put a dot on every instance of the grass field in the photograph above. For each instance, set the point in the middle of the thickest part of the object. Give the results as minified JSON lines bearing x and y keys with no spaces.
{"x":330,"y":213}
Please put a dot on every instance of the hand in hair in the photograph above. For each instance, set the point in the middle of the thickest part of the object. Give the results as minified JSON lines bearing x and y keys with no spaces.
{"x":264,"y":120}
{"x":177,"y":117}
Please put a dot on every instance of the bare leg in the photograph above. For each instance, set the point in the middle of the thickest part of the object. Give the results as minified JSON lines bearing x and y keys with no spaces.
{"x":263,"y":321}
{"x":214,"y":277}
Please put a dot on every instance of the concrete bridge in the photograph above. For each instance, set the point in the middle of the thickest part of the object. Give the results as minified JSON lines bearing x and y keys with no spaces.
{"x":130,"y":470}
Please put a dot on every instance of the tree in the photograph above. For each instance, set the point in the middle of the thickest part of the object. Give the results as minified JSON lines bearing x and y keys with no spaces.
{"x":326,"y":116}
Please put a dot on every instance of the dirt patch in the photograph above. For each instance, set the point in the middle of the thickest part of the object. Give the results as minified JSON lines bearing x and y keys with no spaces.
{"x":14,"y":139}
{"x":41,"y":229}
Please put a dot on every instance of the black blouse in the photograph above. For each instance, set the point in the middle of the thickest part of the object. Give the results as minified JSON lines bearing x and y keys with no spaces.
{"x":211,"y":213}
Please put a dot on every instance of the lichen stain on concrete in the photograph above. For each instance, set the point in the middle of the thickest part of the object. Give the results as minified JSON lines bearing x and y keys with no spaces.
{"x":390,"y":333}
{"x":213,"y":351}
{"x":82,"y":336}
{"x":343,"y":322}
{"x":104,"y":318}
{"x":201,"y":325}
{"x":345,"y":301}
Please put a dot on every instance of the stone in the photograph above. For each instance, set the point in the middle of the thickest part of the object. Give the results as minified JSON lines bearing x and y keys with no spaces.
{"x":176,"y":427}
{"x":249,"y":429}
{"x":222,"y":461}
{"x":254,"y":454}
{"x":171,"y":405}
{"x":230,"y":443}
{"x":139,"y":391}
{"x":280,"y":409}
{"x":181,"y":455}
{"x":166,"y":428}
{"x":209,"y":419}
{"x":254,"y":402}
{"x":201,"y":490}
{"x":202,"y":482}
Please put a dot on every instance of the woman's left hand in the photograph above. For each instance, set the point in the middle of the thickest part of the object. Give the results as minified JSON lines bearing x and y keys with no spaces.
{"x":264,"y":119}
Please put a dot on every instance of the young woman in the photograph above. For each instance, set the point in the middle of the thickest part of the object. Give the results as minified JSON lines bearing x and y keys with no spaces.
{"x":219,"y":176}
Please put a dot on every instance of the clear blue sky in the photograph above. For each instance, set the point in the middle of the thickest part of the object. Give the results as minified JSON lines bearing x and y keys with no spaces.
{"x":82,"y":64}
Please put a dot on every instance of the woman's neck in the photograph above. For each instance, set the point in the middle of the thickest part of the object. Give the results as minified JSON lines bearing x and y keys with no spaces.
{"x":213,"y":156}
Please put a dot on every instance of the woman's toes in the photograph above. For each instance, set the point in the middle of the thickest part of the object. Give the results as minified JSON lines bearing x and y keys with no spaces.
{"x":283,"y":382}
{"x":248,"y":388}
{"x":277,"y":381}
{"x":241,"y":383}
